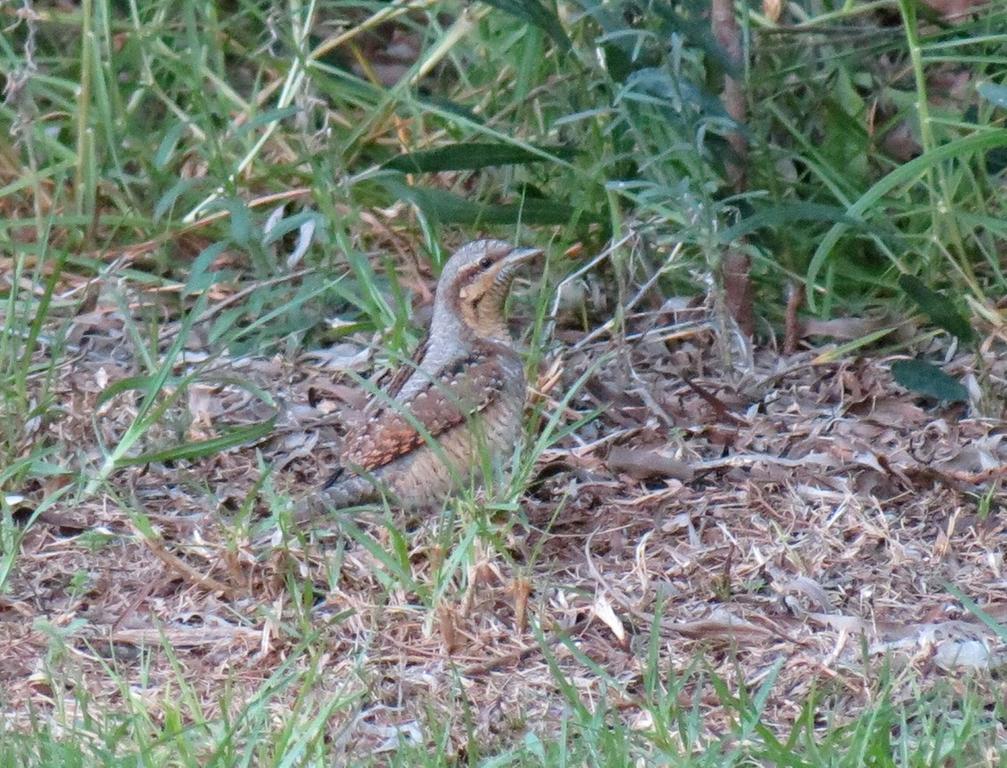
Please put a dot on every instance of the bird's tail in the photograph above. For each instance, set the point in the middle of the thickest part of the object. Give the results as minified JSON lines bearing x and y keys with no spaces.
{"x":340,"y":492}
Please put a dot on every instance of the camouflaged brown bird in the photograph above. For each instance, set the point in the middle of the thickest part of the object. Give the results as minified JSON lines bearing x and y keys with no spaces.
{"x":461,"y":397}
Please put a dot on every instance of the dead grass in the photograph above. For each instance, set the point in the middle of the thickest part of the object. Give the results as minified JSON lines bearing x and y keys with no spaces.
{"x":821,"y":529}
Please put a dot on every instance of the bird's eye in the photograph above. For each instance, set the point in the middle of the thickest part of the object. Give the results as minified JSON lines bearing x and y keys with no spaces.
{"x":486,"y":262}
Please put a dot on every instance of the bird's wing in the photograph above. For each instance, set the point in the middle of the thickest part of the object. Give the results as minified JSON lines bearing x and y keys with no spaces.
{"x":458,"y":392}
{"x":407,"y":368}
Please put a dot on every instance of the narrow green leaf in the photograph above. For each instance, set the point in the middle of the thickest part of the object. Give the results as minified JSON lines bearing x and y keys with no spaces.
{"x":240,"y":218}
{"x":224,"y":323}
{"x":696,"y":32}
{"x":905,"y":174}
{"x":927,"y":379}
{"x":289,"y":224}
{"x":843,"y":350}
{"x":168,"y":144}
{"x":272,"y":116}
{"x":449,"y":108}
{"x":787,"y":213}
{"x":534,"y":12}
{"x":199,"y":280}
{"x":140,"y":383}
{"x":452,"y":209}
{"x":197,"y":450}
{"x":938,"y":308}
{"x":473,"y":155}
{"x":168,"y":198}
{"x":396,"y":573}
{"x":973,"y":607}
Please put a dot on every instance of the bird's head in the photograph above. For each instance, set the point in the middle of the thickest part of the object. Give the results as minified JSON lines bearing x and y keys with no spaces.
{"x":474,"y":286}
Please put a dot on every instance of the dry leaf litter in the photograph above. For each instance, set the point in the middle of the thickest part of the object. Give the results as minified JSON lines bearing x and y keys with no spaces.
{"x":808,"y":521}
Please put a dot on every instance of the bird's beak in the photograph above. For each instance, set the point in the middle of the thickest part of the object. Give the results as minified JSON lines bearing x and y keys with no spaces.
{"x":508,"y":266}
{"x":520,"y":255}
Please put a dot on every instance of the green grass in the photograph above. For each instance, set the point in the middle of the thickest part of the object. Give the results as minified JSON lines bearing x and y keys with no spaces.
{"x":145,"y":144}
{"x":943,"y":727}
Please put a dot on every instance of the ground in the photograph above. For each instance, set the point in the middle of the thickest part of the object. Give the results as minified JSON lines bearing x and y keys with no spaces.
{"x":794,"y":528}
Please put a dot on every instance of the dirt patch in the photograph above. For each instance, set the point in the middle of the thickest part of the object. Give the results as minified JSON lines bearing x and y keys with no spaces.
{"x":804,"y":520}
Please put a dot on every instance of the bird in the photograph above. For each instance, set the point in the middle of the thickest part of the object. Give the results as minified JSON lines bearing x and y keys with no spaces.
{"x":460,"y":398}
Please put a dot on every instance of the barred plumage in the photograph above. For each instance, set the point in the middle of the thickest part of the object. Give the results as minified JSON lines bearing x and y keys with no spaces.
{"x":464,"y":397}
